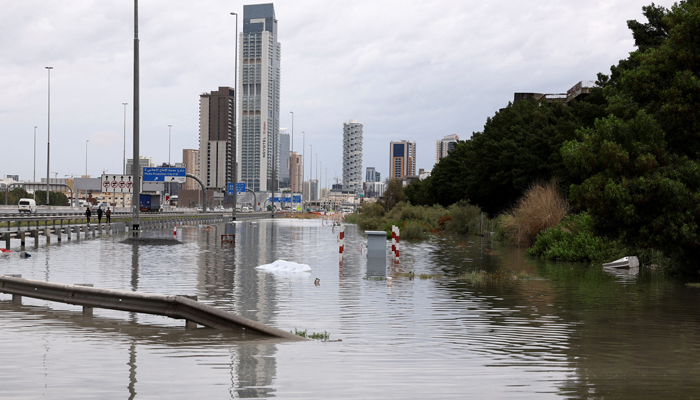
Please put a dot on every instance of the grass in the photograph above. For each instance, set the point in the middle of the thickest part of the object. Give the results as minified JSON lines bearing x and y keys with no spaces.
{"x":475,"y":277}
{"x":541,"y":207}
{"x":693,"y":285}
{"x":316,"y":336}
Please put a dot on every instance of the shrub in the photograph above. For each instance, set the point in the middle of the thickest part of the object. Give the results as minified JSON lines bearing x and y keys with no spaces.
{"x":353,"y":218}
{"x":466,"y":218}
{"x":573,"y":240}
{"x":414,"y":230}
{"x":371,"y":223}
{"x":540,"y":208}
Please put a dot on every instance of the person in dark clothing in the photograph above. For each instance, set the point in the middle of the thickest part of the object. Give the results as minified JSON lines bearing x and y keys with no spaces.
{"x":99,"y":215}
{"x":108,"y":214}
{"x":87,"y":214}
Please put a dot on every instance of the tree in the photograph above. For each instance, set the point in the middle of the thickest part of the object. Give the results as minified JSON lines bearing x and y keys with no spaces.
{"x":519,"y":146}
{"x":639,"y":167}
{"x":418,"y":192}
{"x":393,"y":193}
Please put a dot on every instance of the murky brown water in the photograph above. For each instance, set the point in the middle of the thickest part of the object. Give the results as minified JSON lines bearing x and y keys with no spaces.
{"x":575,"y":333}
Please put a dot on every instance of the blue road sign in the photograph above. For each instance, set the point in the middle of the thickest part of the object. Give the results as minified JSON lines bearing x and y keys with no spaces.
{"x":240,"y":187}
{"x":297,"y":199}
{"x":159,"y":174}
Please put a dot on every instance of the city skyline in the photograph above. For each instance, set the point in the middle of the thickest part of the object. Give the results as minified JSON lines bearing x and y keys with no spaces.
{"x":384,"y":79}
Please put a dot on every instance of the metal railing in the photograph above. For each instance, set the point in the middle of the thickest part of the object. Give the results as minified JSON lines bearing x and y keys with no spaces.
{"x":178,"y":307}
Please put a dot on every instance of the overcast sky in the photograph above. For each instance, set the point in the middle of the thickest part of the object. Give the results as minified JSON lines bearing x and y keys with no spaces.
{"x":406,"y":69}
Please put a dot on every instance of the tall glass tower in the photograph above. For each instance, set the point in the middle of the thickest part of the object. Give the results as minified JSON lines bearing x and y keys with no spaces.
{"x":259,"y":89}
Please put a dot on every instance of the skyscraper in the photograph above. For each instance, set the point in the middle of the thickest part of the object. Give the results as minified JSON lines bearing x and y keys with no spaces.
{"x":403,"y":159}
{"x":191,"y":159}
{"x":216,"y":135}
{"x":283,"y":159}
{"x":259,"y":85}
{"x":296,"y":171}
{"x":443,"y":146}
{"x":352,"y":156}
{"x":372,"y":175}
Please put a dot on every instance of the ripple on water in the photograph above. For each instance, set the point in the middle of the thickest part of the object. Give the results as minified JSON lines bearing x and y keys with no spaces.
{"x":411,"y":339}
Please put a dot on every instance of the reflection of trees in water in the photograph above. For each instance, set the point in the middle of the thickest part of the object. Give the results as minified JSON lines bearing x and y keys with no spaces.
{"x":455,"y":254}
{"x":632,"y":340}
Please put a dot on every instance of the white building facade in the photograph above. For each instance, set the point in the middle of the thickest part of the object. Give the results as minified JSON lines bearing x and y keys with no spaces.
{"x":352,"y":156}
{"x":443,"y":146}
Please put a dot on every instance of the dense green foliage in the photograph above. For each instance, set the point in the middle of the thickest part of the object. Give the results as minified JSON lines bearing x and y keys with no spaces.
{"x":416,"y":222}
{"x":573,"y":239}
{"x":628,"y":153}
{"x":518,"y":147}
{"x":639,"y":167}
{"x":13,"y":196}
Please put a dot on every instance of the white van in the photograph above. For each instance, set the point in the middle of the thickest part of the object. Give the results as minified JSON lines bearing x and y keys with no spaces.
{"x":27,"y":205}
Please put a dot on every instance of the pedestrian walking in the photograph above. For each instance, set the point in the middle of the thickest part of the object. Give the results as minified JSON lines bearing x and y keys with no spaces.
{"x":108,"y":214}
{"x":87,"y":214}
{"x":99,"y":215}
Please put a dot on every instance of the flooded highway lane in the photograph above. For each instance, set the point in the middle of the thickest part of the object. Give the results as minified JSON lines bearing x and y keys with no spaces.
{"x":574,"y":332}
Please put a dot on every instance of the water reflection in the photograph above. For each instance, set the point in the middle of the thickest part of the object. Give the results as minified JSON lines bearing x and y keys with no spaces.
{"x":575,"y":332}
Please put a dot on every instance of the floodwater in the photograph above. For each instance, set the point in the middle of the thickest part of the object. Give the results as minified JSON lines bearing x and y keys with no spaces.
{"x":574,"y":332}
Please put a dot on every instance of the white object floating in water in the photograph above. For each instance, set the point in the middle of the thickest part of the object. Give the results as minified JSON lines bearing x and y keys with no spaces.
{"x":624,"y":262}
{"x":284,"y":266}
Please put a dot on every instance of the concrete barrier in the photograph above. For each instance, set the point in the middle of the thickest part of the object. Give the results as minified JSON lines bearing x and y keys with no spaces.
{"x":178,"y":307}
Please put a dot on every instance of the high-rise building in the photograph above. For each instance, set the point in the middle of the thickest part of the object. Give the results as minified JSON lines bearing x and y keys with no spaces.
{"x":283,"y":159}
{"x":216,"y":137}
{"x":296,"y":171}
{"x":352,"y":156}
{"x":443,"y":146}
{"x":144,"y":161}
{"x":372,"y":175}
{"x":259,"y":86}
{"x":191,"y":159}
{"x":403,"y":159}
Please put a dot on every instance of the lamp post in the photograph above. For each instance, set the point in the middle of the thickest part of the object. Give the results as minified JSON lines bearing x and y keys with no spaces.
{"x":235,"y":126}
{"x":48,"y":138}
{"x":86,"y":143}
{"x":169,"y":132}
{"x":34,"y":179}
{"x":124,"y":156}
{"x":292,"y":151}
{"x":303,"y":148}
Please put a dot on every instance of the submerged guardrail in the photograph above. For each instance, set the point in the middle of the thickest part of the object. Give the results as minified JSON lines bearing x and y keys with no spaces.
{"x":178,"y":307}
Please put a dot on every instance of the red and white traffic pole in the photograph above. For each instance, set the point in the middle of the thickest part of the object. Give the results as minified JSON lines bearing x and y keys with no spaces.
{"x":175,"y":230}
{"x":398,"y":239}
{"x":341,"y":245}
{"x":393,"y":242}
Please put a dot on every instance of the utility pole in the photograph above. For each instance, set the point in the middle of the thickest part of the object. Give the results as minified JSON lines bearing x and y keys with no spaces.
{"x":235,"y":126}
{"x":136,"y":170}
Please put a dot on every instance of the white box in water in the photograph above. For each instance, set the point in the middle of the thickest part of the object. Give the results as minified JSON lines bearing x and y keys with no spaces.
{"x":376,"y":244}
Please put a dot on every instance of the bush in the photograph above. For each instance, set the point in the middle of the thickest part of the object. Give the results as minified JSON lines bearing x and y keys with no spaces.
{"x":353,"y":218}
{"x":414,"y":230}
{"x":466,"y":218}
{"x":573,"y":240}
{"x":540,"y":208}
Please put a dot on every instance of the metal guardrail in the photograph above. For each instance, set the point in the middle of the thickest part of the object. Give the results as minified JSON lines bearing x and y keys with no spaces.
{"x":178,"y":307}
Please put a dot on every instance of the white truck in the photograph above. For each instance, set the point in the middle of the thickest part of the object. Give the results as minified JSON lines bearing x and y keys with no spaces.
{"x":27,"y":205}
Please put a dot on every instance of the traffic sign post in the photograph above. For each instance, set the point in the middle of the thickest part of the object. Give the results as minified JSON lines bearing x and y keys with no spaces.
{"x":162,"y":174}
{"x":240,"y":187}
{"x":116,"y":183}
